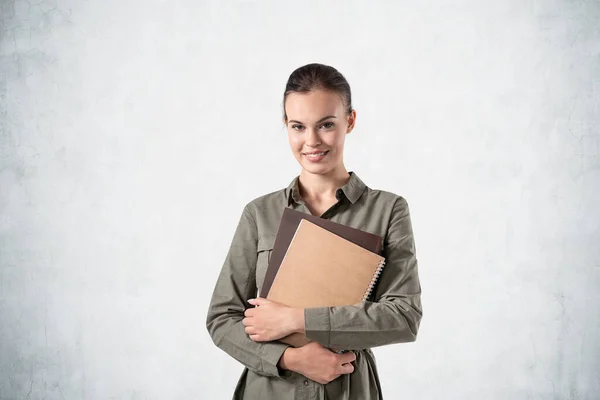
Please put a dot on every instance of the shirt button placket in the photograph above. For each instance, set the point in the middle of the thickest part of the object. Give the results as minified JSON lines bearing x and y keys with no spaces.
{"x":303,"y":392}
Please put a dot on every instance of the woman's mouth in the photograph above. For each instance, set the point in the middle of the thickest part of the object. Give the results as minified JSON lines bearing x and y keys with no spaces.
{"x":316,"y":156}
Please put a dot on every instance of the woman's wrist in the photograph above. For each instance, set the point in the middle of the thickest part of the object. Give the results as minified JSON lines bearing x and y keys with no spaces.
{"x":298,"y":320}
{"x":289,"y":359}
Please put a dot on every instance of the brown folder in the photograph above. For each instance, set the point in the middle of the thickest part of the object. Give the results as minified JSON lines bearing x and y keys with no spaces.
{"x":287,"y":227}
{"x":322,"y":269}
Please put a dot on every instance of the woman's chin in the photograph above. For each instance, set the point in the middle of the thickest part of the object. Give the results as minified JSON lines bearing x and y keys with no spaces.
{"x":316,"y":169}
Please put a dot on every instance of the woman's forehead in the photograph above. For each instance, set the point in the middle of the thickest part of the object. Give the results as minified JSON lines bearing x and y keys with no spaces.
{"x":313,"y":105}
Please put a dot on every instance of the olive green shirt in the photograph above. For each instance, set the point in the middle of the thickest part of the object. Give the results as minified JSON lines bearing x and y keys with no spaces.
{"x":393,"y":315}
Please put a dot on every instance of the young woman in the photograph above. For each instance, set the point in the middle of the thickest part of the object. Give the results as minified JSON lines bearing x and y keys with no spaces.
{"x":318,"y":115}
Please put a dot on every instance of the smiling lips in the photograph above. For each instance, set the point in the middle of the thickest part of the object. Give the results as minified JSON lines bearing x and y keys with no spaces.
{"x":316,"y":156}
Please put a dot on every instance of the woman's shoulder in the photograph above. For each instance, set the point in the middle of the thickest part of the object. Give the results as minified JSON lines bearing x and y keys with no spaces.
{"x":266,"y":203}
{"x":266,"y":211}
{"x":386,"y":196}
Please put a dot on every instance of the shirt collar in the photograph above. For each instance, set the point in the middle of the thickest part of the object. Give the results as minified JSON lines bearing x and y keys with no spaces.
{"x":353,"y":189}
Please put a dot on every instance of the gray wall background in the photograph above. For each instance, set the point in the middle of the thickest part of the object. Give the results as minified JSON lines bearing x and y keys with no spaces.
{"x":133,"y":133}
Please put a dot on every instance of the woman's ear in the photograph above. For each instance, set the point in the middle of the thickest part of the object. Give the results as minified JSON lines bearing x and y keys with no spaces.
{"x":351,"y":121}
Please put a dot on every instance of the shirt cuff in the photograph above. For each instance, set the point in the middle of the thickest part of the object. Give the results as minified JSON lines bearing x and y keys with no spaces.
{"x":270,"y":359}
{"x":317,"y":325}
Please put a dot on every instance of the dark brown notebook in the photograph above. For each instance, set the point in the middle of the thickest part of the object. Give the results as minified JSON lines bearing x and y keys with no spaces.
{"x":287,"y":228}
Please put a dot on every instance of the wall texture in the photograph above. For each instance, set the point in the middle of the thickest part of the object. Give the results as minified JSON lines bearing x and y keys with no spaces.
{"x":133,"y":132}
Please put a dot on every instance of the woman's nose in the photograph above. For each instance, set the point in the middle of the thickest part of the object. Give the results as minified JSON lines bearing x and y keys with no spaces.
{"x":312,"y":138}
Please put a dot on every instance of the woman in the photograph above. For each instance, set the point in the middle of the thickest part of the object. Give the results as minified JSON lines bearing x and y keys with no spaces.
{"x":318,"y":115}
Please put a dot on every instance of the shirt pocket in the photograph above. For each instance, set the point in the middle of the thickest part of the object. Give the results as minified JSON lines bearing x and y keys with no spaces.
{"x":264,"y":250}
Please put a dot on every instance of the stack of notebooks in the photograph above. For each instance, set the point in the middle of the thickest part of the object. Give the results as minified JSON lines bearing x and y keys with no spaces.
{"x":319,"y":263}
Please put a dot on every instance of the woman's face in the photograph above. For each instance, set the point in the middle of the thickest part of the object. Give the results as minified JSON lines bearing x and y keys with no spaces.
{"x":317,"y":125}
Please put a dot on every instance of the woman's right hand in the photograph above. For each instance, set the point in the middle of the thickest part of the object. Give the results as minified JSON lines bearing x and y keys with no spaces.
{"x":317,"y":362}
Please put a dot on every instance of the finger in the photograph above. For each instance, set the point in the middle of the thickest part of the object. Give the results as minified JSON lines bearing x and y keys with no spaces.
{"x":347,"y":357}
{"x":259,"y":301}
{"x":326,"y":381}
{"x":347,"y":368}
{"x":250,"y":330}
{"x":256,"y":338}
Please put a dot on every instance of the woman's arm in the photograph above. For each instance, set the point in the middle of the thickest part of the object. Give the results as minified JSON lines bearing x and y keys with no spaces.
{"x":395,"y":315}
{"x":235,"y":285}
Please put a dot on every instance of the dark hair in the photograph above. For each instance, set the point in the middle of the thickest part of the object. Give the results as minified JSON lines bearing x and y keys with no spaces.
{"x":318,"y":76}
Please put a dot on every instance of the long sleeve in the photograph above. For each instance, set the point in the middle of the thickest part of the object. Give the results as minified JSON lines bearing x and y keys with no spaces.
{"x":235,"y":285}
{"x":394,"y":315}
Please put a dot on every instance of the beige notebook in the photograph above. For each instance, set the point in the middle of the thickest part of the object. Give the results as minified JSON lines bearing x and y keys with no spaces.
{"x":322,"y":269}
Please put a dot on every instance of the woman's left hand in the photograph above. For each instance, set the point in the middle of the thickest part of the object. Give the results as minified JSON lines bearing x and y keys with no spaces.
{"x":271,"y":320}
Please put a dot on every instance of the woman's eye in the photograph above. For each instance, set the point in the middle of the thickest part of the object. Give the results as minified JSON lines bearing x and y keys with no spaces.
{"x":297,"y":127}
{"x":327,"y":125}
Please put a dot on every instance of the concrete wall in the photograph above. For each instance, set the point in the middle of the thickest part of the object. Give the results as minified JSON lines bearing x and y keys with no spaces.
{"x":133,"y":132}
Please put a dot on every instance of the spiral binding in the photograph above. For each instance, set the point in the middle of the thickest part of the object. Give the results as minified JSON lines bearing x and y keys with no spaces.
{"x":374,"y":280}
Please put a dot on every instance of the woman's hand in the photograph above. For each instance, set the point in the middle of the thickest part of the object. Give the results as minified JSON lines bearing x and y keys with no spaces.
{"x":271,"y":321}
{"x":317,"y":362}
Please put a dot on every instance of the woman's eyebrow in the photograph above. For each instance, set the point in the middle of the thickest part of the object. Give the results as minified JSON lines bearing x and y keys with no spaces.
{"x":321,"y":120}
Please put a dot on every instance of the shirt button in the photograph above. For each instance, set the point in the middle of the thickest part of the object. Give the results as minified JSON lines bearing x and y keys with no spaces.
{"x":305,"y":382}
